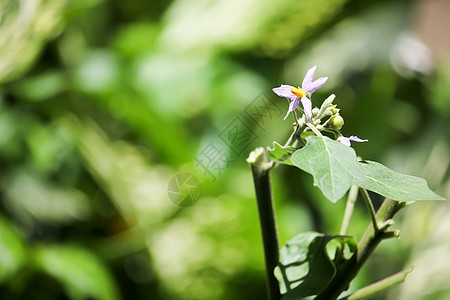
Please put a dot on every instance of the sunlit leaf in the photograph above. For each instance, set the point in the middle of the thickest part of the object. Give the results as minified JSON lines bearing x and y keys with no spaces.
{"x":99,"y":72}
{"x":388,"y":183}
{"x":41,"y":87}
{"x":305,"y":267}
{"x":31,"y":199}
{"x":333,"y":165}
{"x":81,"y":273}
{"x":335,"y":169}
{"x":24,"y":34}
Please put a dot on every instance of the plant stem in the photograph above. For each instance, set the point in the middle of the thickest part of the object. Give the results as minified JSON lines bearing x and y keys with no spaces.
{"x":314,"y":129}
{"x":366,"y":246}
{"x":261,"y":177}
{"x":380,"y":286}
{"x":296,"y":118}
{"x":295,"y":135}
{"x":289,"y":141}
{"x":351,"y":199}
{"x":371,"y":209}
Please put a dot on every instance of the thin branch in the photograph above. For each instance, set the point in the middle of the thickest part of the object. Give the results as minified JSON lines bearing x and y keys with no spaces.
{"x":289,"y":141}
{"x":296,"y":118}
{"x":366,"y":246}
{"x":351,"y":199}
{"x":314,"y":129}
{"x":370,"y":208}
{"x":380,"y":286}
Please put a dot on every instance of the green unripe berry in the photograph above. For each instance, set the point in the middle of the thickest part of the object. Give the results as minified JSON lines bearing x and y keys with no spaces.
{"x":337,"y":122}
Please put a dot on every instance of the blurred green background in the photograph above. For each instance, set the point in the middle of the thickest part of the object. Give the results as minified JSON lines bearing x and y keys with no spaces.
{"x":102,"y":103}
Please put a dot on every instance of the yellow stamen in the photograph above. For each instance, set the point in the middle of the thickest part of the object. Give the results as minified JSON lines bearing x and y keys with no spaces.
{"x":298,"y":92}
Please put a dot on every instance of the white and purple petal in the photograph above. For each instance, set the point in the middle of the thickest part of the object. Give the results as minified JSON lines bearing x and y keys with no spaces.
{"x":346,"y":140}
{"x":292,"y":106}
{"x":309,"y":77}
{"x":285,"y":91}
{"x":354,"y":138}
{"x":317,"y":84}
{"x":307,"y":106}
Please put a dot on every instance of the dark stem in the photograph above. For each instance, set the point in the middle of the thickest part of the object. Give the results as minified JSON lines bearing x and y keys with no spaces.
{"x":261,"y":177}
{"x":366,"y":246}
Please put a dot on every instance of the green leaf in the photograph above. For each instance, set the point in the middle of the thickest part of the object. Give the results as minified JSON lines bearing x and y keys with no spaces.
{"x":12,"y":250}
{"x":335,"y":168}
{"x":81,"y":273}
{"x":332,"y":164}
{"x":390,"y":184}
{"x":31,"y":198}
{"x":305,"y":268}
{"x":281,"y":154}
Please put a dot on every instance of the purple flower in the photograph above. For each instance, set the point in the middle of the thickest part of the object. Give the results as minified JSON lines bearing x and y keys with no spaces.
{"x":346,"y":140}
{"x":299,"y":94}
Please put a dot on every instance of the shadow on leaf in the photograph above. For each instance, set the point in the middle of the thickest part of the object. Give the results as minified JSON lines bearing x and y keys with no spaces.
{"x":305,"y":267}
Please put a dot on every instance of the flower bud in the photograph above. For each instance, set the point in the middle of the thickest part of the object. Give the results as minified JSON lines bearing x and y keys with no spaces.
{"x":326,"y":106}
{"x":334,"y":110}
{"x":329,"y":100}
{"x":337,"y":122}
{"x":315,"y":111}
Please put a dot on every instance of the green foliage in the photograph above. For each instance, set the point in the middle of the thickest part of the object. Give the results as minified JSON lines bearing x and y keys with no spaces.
{"x":305,"y":266}
{"x":281,"y":154}
{"x":35,"y":201}
{"x":335,"y":168}
{"x":395,"y":186}
{"x":81,"y":273}
{"x":12,"y":250}
{"x":332,"y":164}
{"x":103,"y":102}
